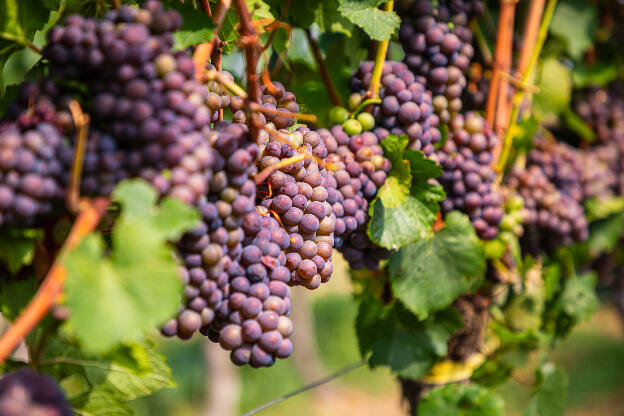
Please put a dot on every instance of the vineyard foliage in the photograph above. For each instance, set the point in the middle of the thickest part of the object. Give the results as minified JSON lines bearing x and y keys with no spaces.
{"x":179,"y":168}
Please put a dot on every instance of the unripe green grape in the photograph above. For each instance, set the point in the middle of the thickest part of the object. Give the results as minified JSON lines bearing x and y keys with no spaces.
{"x":352,"y":127}
{"x":354,"y":100}
{"x":338,"y":115}
{"x":366,"y":120}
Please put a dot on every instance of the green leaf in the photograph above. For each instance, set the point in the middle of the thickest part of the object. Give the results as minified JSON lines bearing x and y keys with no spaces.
{"x":17,"y":247}
{"x":579,"y":300}
{"x":15,"y":295}
{"x":21,"y":18}
{"x":196,"y":28}
{"x":103,"y":385}
{"x":604,"y":235}
{"x":378,"y":24}
{"x":397,"y":339}
{"x":407,"y":203}
{"x":461,"y":400}
{"x":579,"y":126}
{"x":330,"y":20}
{"x":574,"y":21}
{"x":601,"y":73}
{"x":555,"y":84}
{"x":551,"y":392}
{"x":429,"y":275}
{"x":114,"y":298}
{"x":601,"y":208}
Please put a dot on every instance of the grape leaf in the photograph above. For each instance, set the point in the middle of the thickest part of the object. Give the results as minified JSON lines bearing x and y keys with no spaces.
{"x":551,"y":392}
{"x":378,"y":24}
{"x":429,"y":275}
{"x":579,"y":300}
{"x":555,"y":85}
{"x":15,"y":295}
{"x":196,"y":28}
{"x":17,"y":247}
{"x":397,"y":339}
{"x":604,"y":235}
{"x":104,"y":384}
{"x":574,"y":21}
{"x":329,"y":20}
{"x":407,"y":203}
{"x":114,"y":298}
{"x":461,"y":400}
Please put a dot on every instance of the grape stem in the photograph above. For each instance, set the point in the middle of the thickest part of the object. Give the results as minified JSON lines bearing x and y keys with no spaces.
{"x":530,"y":34}
{"x":204,"y":51}
{"x":240,"y":92}
{"x":283,"y":139}
{"x":81,"y":121}
{"x":380,"y":58}
{"x":22,"y":41}
{"x":310,"y":386}
{"x":262,"y":175}
{"x":322,"y":67}
{"x":52,"y":284}
{"x":205,"y":5}
{"x":215,"y":59}
{"x":496,"y":101}
{"x":364,"y":104}
{"x":518,"y":98}
{"x":249,"y":39}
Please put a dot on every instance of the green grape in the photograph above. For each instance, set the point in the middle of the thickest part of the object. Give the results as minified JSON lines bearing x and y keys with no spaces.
{"x":366,"y":120}
{"x":338,"y":115}
{"x":352,"y":127}
{"x":354,"y":100}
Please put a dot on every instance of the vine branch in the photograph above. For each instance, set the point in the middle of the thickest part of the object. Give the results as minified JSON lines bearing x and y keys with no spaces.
{"x":518,"y":98}
{"x":496,"y":106}
{"x":81,"y":121}
{"x":322,"y":67}
{"x":204,"y":51}
{"x":380,"y":57}
{"x":52,"y":284}
{"x":310,"y":386}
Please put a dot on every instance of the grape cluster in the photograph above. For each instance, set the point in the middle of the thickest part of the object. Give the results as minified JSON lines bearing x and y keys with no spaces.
{"x":561,"y":164}
{"x":207,"y":251}
{"x":406,"y":106}
{"x":25,"y":392}
{"x":468,"y":179}
{"x":297,"y":193}
{"x":603,"y":110}
{"x":30,"y":173}
{"x":360,"y":170}
{"x":144,"y":95}
{"x":438,"y":49}
{"x":253,"y":322}
{"x":551,"y":217}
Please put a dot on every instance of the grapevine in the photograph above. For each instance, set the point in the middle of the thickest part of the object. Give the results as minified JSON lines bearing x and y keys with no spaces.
{"x":175,"y":171}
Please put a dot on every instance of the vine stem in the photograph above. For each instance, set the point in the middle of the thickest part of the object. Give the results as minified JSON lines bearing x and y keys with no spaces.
{"x":81,"y":121}
{"x":518,"y":98}
{"x":52,"y":284}
{"x":529,"y":37}
{"x":380,"y":58}
{"x":322,"y":67}
{"x":502,"y":63}
{"x":310,"y":386}
{"x":250,"y":42}
{"x":205,"y":50}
